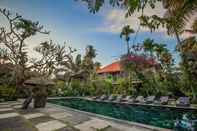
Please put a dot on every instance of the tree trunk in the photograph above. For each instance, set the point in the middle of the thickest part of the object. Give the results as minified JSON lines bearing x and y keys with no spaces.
{"x":128,"y":50}
{"x":193,"y":94}
{"x":177,"y":37}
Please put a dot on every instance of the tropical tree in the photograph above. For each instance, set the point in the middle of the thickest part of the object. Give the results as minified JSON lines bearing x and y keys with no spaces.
{"x":157,"y":51}
{"x":175,"y":19}
{"x":126,"y":31}
{"x":87,"y":62}
{"x":159,"y":48}
{"x":80,"y":68}
{"x":14,"y":40}
{"x":148,"y":46}
{"x":131,"y":6}
{"x":188,"y":64}
{"x":52,"y":55}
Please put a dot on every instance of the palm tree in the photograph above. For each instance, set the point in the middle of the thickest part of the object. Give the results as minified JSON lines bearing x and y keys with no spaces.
{"x":159,"y":49}
{"x":149,"y":45}
{"x":97,"y":65}
{"x":90,"y":51}
{"x":126,"y":31}
{"x":184,"y":9}
{"x":178,"y":14}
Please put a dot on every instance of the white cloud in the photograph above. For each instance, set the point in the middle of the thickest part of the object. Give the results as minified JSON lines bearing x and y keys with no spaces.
{"x":115,"y":19}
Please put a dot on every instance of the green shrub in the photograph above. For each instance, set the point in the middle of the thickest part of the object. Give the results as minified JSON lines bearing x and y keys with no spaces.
{"x":7,"y":93}
{"x":89,"y":88}
{"x":76,"y":88}
{"x":122,"y":87}
{"x":56,"y":90}
{"x":103,"y":87}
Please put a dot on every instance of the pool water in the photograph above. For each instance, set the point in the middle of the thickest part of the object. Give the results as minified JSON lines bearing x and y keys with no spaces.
{"x":164,"y":117}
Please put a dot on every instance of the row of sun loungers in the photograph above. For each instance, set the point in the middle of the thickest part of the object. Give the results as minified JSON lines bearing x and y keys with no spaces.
{"x":164,"y":100}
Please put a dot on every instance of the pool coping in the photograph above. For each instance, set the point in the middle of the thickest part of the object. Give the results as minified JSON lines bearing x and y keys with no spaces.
{"x":154,"y":128}
{"x":127,"y":103}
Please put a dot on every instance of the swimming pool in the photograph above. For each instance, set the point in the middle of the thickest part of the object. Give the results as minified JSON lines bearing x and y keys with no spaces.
{"x":164,"y":117}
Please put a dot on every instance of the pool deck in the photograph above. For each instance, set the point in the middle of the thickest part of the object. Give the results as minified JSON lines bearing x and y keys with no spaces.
{"x":59,"y":118}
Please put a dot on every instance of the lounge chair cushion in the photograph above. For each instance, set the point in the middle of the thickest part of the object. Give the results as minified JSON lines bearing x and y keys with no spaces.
{"x":111,"y":98}
{"x":184,"y":101}
{"x":150,"y":99}
{"x":139,"y":99}
{"x":103,"y":97}
{"x":164,"y":99}
{"x":126,"y":98}
{"x":119,"y":98}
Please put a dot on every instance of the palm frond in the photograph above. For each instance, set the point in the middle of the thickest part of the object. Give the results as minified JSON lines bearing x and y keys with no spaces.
{"x":194,"y":26}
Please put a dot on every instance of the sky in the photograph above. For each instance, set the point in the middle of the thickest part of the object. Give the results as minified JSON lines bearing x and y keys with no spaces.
{"x":70,"y":21}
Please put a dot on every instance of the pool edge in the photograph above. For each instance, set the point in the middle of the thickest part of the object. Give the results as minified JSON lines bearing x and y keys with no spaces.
{"x":154,"y":128}
{"x":140,"y":104}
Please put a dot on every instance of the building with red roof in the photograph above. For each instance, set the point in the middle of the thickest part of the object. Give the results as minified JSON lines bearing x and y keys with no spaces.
{"x":114,"y":69}
{"x":111,"y":68}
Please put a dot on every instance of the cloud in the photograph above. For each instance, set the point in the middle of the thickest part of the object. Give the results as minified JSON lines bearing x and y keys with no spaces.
{"x":115,"y":19}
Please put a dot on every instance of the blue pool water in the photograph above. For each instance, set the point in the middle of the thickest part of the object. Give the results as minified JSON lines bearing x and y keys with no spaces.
{"x":164,"y":117}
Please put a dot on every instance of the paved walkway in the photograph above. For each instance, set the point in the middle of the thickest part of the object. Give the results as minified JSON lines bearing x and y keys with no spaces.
{"x":53,"y":118}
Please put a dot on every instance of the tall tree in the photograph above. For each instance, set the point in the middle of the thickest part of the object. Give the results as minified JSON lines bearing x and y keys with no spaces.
{"x":126,"y":32}
{"x":148,"y":46}
{"x":82,"y":68}
{"x":14,"y":39}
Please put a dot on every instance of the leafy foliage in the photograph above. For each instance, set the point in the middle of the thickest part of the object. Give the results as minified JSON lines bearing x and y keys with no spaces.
{"x":80,"y":68}
{"x":188,"y":64}
{"x":130,"y":5}
{"x":194,"y":26}
{"x":13,"y":39}
{"x":7,"y":92}
{"x":175,"y":19}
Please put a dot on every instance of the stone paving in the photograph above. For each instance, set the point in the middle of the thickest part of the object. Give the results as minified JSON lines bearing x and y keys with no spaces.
{"x":54,"y":118}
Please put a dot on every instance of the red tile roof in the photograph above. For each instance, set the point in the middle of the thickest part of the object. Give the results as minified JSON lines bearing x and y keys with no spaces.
{"x":116,"y":67}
